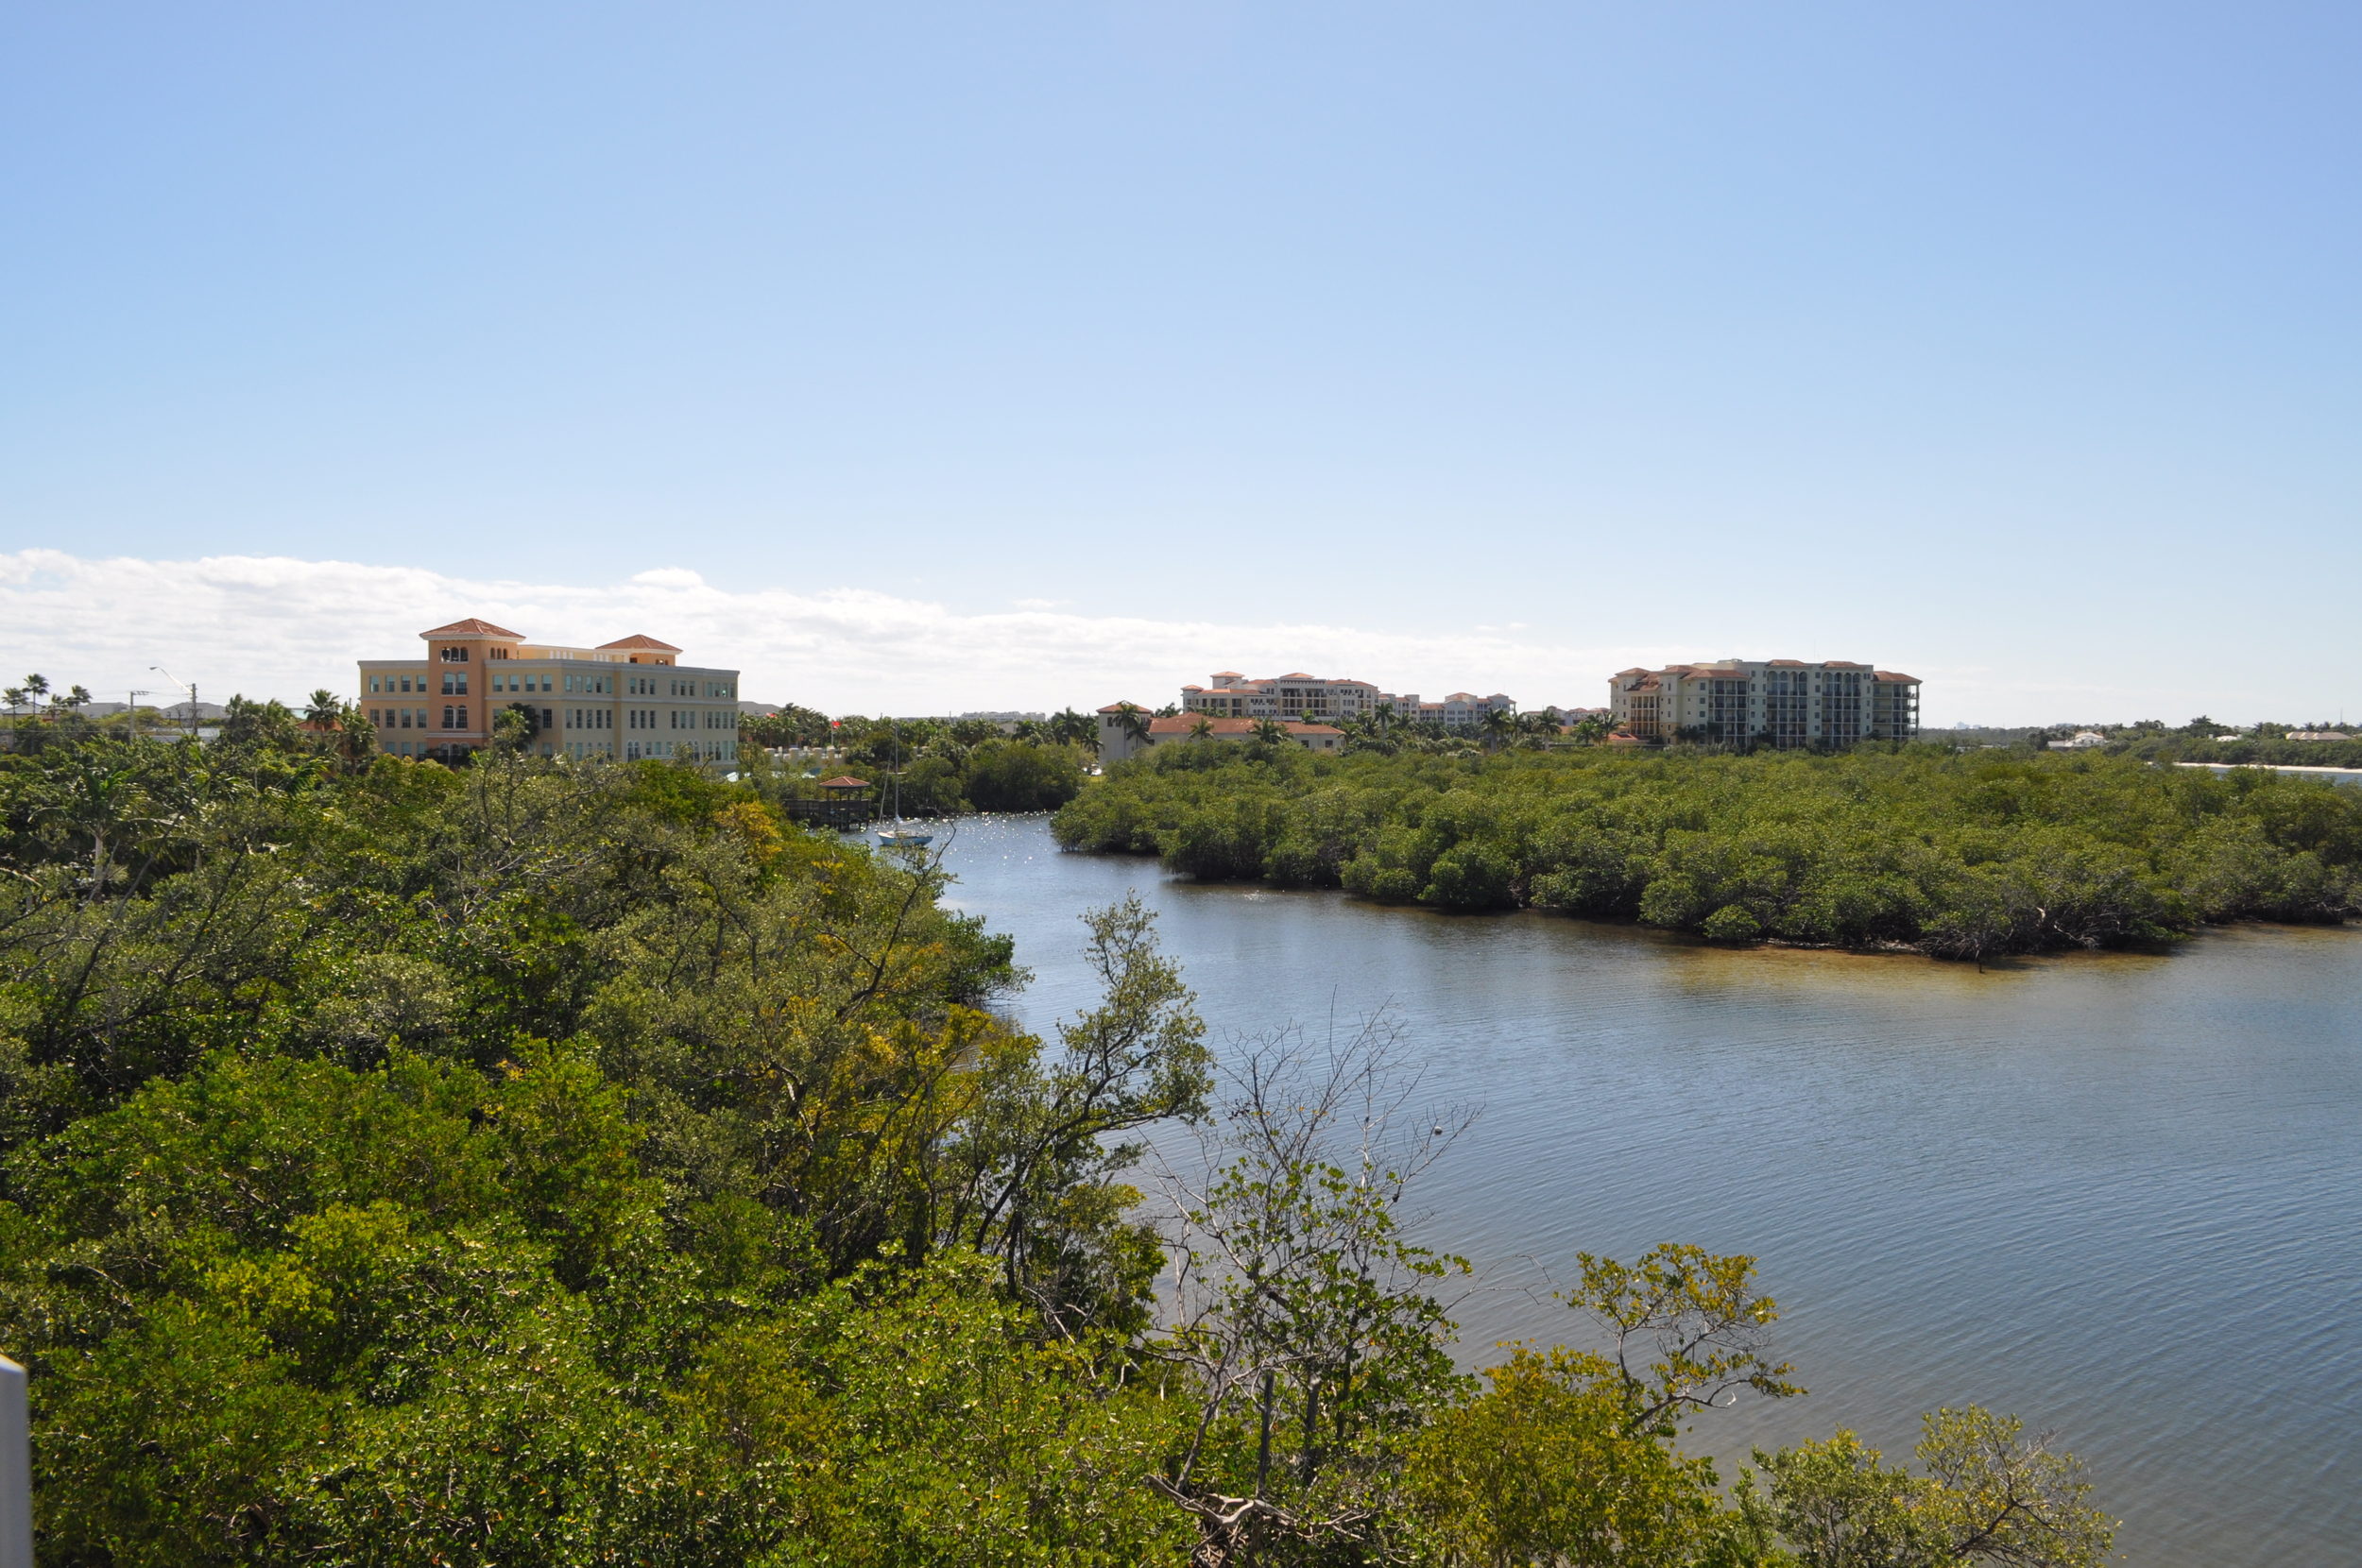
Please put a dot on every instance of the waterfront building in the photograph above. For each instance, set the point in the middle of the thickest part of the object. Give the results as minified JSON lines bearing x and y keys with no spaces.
{"x":1293,"y":696}
{"x":623,"y":700}
{"x":1779,"y":702}
{"x":1185,"y":726}
{"x":1460,"y":711}
{"x":1290,"y":696}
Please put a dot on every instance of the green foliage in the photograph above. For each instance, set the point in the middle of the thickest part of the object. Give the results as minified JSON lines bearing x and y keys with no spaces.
{"x":1956,"y":855}
{"x":1989,"y":1495}
{"x":1546,"y":1467}
{"x":573,"y":1164}
{"x":1013,"y":777}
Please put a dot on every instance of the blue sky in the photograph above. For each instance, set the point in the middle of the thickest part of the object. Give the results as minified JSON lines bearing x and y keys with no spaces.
{"x":1483,"y":346}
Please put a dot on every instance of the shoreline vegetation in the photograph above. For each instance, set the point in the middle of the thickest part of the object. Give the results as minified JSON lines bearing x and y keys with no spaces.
{"x":573,"y":1166}
{"x":1960,"y":855}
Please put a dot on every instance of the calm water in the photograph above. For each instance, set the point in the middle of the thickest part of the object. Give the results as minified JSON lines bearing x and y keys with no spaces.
{"x":2114,"y":1195}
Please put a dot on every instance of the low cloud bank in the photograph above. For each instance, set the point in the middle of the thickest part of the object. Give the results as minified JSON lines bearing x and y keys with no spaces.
{"x":276,"y":626}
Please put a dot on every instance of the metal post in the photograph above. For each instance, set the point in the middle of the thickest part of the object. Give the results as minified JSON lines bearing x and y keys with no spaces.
{"x":16,"y":1470}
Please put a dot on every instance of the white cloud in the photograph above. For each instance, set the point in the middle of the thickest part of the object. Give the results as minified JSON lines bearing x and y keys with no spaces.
{"x":275,"y":627}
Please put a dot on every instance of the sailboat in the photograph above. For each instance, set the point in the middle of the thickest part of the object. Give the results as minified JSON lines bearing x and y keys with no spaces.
{"x":901,"y":832}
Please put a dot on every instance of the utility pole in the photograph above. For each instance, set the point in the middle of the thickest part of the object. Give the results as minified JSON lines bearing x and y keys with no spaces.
{"x":190,"y":688}
{"x":132,"y":710}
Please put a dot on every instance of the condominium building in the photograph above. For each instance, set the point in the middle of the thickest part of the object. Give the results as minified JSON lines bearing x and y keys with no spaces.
{"x":1779,"y":702}
{"x":1293,"y":696}
{"x":1460,"y":711}
{"x":621,"y":700}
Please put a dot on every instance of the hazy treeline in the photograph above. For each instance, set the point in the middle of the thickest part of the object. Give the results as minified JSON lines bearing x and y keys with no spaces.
{"x":563,"y":1163}
{"x":949,"y":766}
{"x":1955,"y":854}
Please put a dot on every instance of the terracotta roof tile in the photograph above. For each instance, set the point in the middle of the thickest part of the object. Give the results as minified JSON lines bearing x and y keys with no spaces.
{"x":640,"y":639}
{"x":470,"y":627}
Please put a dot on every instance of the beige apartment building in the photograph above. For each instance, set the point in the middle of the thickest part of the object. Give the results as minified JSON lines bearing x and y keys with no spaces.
{"x":1293,"y":696}
{"x":623,"y":700}
{"x":1779,"y":702}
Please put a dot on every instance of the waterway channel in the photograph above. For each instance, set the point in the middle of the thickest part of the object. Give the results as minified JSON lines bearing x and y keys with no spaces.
{"x":2119,"y":1195}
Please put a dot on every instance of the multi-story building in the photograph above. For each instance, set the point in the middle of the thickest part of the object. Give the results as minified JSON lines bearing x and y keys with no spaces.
{"x":1460,"y":711}
{"x":624,"y":700}
{"x":1293,"y":696}
{"x":1779,"y":702}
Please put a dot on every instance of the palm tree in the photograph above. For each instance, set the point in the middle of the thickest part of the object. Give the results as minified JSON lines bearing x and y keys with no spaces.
{"x":1270,"y":731}
{"x":1384,"y":713}
{"x":1133,"y":719}
{"x":1497,"y":723}
{"x":1201,"y":728}
{"x":324,"y":706}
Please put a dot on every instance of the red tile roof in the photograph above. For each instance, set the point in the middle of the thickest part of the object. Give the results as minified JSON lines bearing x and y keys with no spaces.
{"x":848,"y":782}
{"x":470,"y":627}
{"x":640,"y":639}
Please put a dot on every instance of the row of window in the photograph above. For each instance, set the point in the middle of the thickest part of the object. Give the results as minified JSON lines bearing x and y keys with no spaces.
{"x":455,"y":717}
{"x":456,"y":683}
{"x":712,"y":751}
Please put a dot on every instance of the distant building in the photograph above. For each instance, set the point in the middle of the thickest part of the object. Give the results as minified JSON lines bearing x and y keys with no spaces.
{"x":2318,"y":734}
{"x":1460,"y":711}
{"x":2083,"y":739}
{"x":1116,"y":739}
{"x":1293,"y":696}
{"x":1185,"y":726}
{"x":627,"y":699}
{"x":1780,"y":702}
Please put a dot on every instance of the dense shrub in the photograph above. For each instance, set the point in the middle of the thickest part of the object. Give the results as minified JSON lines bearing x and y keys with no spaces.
{"x":1955,"y":854}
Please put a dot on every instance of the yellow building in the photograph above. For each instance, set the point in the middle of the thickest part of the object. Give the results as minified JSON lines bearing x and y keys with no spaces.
{"x":621,"y":700}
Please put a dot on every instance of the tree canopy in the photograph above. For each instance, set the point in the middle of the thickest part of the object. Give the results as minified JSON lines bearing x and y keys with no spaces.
{"x":1960,"y":855}
{"x":546,"y":1163}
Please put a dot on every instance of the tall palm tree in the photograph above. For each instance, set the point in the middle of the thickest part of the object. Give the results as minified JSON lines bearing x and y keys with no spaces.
{"x":1133,"y":719}
{"x":324,"y":706}
{"x":1201,"y":728}
{"x":1270,"y":731}
{"x":1497,"y":723}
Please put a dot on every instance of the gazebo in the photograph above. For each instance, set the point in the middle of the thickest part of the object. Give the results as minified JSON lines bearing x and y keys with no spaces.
{"x":846,"y":803}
